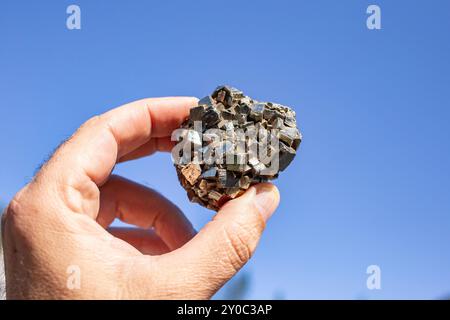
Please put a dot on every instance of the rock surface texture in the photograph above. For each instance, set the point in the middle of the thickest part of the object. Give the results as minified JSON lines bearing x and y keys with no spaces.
{"x":230,"y":142}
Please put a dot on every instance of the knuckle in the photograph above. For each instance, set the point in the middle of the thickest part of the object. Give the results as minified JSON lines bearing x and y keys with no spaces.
{"x":17,"y":202}
{"x":14,"y":213}
{"x":91,"y":121}
{"x":87,"y":125}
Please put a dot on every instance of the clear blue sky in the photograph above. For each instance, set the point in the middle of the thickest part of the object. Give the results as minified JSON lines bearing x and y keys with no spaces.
{"x":371,"y":183}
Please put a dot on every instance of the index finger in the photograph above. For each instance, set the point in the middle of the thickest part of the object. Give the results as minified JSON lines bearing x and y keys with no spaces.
{"x":97,"y":145}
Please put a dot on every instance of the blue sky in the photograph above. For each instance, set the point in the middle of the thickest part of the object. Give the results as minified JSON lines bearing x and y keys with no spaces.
{"x":371,"y":182}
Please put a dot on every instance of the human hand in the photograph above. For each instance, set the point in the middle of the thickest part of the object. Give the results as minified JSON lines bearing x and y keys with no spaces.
{"x":62,"y":217}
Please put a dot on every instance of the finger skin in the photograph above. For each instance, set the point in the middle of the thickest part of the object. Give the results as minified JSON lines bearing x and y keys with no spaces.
{"x":146,"y":241}
{"x":95,"y":147}
{"x":163,"y":144}
{"x":222,"y":247}
{"x":104,"y":139}
{"x":86,"y":160}
{"x":144,"y":207}
{"x":43,"y":236}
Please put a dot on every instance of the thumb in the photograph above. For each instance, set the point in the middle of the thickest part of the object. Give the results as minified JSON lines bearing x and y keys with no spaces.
{"x":225,"y":244}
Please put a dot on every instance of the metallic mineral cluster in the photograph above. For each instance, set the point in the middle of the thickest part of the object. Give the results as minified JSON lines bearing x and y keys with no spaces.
{"x":230,"y":142}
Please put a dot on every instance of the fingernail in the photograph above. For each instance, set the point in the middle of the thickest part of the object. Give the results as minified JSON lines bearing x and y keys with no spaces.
{"x":266,"y":199}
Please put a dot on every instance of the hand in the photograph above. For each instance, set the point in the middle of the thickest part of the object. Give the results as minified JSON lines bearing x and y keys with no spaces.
{"x":60,"y":221}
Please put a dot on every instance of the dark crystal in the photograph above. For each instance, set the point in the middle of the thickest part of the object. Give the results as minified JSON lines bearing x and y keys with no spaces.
{"x":239,"y":151}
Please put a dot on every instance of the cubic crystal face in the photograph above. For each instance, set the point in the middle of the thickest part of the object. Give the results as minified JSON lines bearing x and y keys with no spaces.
{"x":230,"y":142}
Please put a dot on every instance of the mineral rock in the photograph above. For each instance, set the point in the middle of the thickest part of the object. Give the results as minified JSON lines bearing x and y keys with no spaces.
{"x":231,"y":141}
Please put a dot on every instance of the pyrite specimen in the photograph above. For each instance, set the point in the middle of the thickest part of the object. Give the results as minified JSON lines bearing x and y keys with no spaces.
{"x":230,"y":142}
